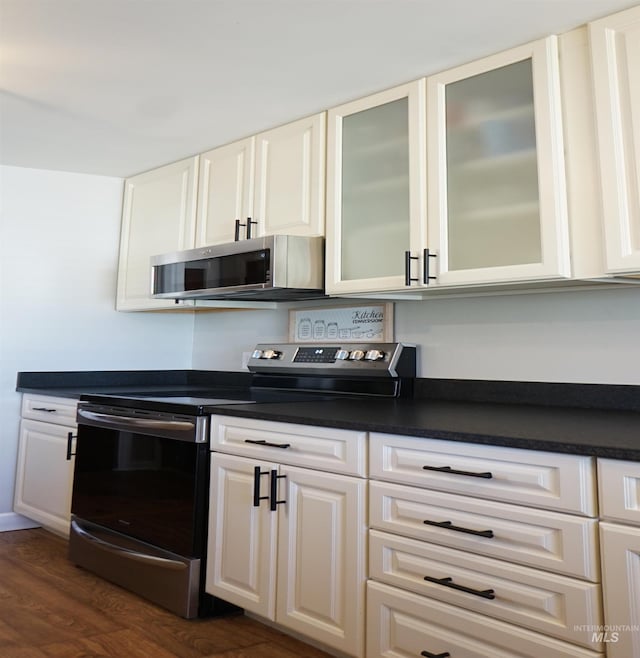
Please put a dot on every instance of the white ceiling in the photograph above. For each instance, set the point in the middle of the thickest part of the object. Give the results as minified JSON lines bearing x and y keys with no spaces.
{"x":115,"y":87}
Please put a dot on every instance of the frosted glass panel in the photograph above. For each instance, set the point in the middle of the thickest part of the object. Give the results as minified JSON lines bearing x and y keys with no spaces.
{"x":492,"y":175}
{"x":375,"y":191}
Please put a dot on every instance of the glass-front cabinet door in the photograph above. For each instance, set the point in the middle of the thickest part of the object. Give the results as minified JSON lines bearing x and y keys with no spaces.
{"x":496,"y":187}
{"x":376,"y":209}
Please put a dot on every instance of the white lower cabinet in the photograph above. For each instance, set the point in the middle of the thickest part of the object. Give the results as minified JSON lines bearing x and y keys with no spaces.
{"x":44,"y":474}
{"x":288,"y":543}
{"x":621,"y":586}
{"x":454,"y":571}
{"x":619,"y":484}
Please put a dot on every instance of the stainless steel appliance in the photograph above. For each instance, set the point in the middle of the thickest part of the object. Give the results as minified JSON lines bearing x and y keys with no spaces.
{"x":277,"y":267}
{"x":141,"y":478}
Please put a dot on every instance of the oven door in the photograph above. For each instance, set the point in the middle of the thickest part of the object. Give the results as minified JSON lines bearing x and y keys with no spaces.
{"x":144,"y":475}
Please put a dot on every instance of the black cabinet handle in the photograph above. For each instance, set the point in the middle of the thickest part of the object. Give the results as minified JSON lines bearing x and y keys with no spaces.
{"x":49,"y":411}
{"x":256,"y":486}
{"x":426,"y":277}
{"x":428,"y":654}
{"x":448,"y":582}
{"x":274,"y":490}
{"x":408,"y":280}
{"x":453,"y":471}
{"x":236,"y":236}
{"x":262,"y":442}
{"x":249,"y":222}
{"x":449,"y":526}
{"x":70,"y":437}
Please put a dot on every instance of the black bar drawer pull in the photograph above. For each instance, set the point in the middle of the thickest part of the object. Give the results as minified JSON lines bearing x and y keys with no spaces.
{"x":449,"y":526}
{"x":249,"y":223}
{"x":408,"y":280}
{"x":236,"y":235}
{"x":70,"y":437}
{"x":274,"y":490}
{"x":426,"y":277}
{"x":49,"y":411}
{"x":453,"y":471}
{"x":428,"y":654}
{"x":448,"y":582}
{"x":256,"y":486}
{"x":262,"y":442}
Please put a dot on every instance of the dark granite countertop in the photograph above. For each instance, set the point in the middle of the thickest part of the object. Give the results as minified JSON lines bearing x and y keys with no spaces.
{"x":604,"y":433}
{"x":586,"y":419}
{"x":73,"y":384}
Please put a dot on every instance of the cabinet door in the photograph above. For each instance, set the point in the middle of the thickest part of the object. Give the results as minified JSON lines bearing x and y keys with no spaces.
{"x":158,"y":217}
{"x":241,"y":557}
{"x":615,"y":51}
{"x":322,"y":557}
{"x":496,"y":182}
{"x":44,"y":477}
{"x":225,"y":192}
{"x":621,"y":589}
{"x":290,"y":175}
{"x":376,"y":209}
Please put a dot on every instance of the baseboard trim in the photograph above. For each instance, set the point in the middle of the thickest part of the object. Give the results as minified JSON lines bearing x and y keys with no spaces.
{"x":11,"y":521}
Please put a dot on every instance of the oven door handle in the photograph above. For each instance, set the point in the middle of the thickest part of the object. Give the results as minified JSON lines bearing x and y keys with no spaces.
{"x":130,"y":554}
{"x":128,"y":423}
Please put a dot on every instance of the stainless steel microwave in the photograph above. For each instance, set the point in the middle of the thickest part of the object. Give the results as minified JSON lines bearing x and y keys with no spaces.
{"x":272,"y":268}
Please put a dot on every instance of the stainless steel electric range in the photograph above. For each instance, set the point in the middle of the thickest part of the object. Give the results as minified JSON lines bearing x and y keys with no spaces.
{"x":141,"y":477}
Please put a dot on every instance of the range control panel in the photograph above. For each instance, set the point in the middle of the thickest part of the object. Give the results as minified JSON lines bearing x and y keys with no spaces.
{"x":370,"y":359}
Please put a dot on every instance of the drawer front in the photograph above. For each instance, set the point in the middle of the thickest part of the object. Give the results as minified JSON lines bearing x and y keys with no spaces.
{"x":545,"y":602}
{"x":327,"y":449}
{"x":49,"y":409}
{"x":548,"y":480}
{"x":404,"y":624}
{"x":548,"y":540}
{"x":619,"y":484}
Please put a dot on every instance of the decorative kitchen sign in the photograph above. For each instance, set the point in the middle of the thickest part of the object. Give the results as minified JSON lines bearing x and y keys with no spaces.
{"x":342,"y":324}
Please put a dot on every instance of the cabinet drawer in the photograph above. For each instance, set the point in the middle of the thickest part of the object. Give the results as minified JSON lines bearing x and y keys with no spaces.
{"x":548,"y":603}
{"x":404,"y":624}
{"x":548,"y":540}
{"x":539,"y":479}
{"x":619,"y":484}
{"x":49,"y":409}
{"x":327,"y":449}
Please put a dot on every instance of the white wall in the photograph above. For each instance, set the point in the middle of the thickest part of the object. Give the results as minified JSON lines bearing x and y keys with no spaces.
{"x":59,"y":235}
{"x":584,"y":336}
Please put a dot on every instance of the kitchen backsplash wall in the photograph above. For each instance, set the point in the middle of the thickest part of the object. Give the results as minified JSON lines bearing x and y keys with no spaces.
{"x":584,"y":336}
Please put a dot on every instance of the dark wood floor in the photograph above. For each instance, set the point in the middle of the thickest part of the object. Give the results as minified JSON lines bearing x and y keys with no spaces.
{"x":50,"y":608}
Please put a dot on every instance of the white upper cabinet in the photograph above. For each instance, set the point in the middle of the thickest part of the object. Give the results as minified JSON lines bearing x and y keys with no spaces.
{"x":615,"y":52}
{"x":269,"y":184}
{"x":158,"y":216}
{"x":496,"y":181}
{"x":290,"y":178}
{"x":376,"y":210}
{"x":225,"y":191}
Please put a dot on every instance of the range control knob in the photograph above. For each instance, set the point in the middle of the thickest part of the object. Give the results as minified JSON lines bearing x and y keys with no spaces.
{"x":374,"y":355}
{"x":256,"y":354}
{"x":356,"y":355}
{"x":271,"y":354}
{"x":342,"y":355}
